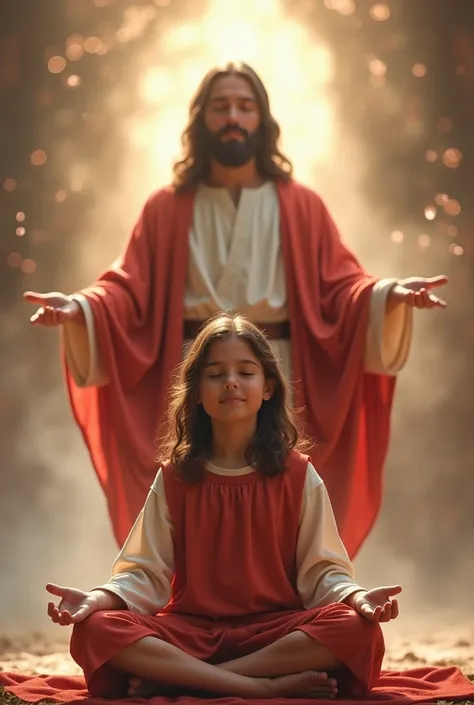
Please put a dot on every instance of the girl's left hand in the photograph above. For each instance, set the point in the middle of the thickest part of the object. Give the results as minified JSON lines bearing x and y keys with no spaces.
{"x":377,"y":604}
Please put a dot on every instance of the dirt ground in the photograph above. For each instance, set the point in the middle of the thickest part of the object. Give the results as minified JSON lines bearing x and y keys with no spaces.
{"x":37,"y":653}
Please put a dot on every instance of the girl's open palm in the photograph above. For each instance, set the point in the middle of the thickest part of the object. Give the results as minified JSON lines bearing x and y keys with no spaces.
{"x":75,"y":605}
{"x":377,"y":604}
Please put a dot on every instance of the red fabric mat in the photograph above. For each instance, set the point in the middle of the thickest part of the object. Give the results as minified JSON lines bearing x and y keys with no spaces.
{"x":419,"y":685}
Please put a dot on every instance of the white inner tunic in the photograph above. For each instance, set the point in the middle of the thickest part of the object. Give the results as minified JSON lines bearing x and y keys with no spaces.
{"x":235,"y":260}
{"x":236,"y":264}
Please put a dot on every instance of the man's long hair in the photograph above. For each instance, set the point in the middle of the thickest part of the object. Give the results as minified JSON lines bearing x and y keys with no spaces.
{"x":194,"y":165}
{"x":188,"y":441}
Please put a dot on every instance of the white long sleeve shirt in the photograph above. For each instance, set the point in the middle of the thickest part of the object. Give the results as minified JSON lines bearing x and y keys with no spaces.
{"x":144,"y":568}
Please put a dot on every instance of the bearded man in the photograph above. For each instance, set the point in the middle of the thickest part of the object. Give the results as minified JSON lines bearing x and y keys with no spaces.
{"x":234,"y":231}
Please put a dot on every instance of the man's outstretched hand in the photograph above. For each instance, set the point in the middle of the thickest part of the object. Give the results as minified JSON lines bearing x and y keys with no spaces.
{"x":418,"y":292}
{"x":54,"y":309}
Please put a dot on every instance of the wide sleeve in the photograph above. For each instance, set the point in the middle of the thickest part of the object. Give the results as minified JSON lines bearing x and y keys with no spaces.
{"x":325,"y":573}
{"x":142,"y":572}
{"x":346,"y":411}
{"x":134,"y":342}
{"x":118,"y":310}
{"x":389,"y":332}
{"x":81,"y":351}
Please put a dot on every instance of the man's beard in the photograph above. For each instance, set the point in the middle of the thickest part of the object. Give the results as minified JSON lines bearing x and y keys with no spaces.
{"x":233,"y":153}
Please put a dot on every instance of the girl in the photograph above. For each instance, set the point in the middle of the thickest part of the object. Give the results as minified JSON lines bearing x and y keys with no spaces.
{"x":233,"y":580}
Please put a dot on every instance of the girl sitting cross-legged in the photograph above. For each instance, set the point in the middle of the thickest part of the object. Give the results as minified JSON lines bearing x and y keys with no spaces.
{"x":233,"y":580}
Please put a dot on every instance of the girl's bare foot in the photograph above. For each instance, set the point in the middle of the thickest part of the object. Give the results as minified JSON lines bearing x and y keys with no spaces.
{"x":309,"y":684}
{"x":140,"y":688}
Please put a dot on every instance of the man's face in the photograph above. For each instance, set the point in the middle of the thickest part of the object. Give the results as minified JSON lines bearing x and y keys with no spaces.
{"x":232,"y":119}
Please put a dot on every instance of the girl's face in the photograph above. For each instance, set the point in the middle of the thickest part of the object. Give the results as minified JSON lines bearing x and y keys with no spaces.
{"x":233,"y":385}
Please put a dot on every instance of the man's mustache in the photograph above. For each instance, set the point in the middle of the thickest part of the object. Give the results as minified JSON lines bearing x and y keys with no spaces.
{"x":229,"y":129}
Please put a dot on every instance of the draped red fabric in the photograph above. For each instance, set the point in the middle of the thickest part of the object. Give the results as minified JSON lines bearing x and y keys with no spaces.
{"x":138,"y":312}
{"x":419,"y":685}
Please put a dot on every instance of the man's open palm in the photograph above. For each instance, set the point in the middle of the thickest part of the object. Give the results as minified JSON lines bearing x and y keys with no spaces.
{"x":54,"y":308}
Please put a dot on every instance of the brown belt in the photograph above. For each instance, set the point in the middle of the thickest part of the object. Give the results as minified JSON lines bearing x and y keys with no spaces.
{"x":276,"y":331}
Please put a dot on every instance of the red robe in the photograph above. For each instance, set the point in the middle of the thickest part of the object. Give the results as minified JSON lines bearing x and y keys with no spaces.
{"x":138,"y":312}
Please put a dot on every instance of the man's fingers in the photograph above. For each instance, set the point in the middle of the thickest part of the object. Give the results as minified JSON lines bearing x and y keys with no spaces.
{"x":421,"y":298}
{"x":56,"y":589}
{"x":437,"y":302}
{"x":47,"y":316}
{"x":34,"y":297}
{"x":440,"y":280}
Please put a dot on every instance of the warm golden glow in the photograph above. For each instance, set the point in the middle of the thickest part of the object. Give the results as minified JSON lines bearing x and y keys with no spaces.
{"x":9,"y":184}
{"x":452,"y":207}
{"x":452,"y":158}
{"x":418,"y":70}
{"x":73,"y":81}
{"x":424,"y":241}
{"x":92,"y":45}
{"x":380,"y":12}
{"x":14,"y":260}
{"x":28,"y":266}
{"x":74,"y":52}
{"x":60,"y":196}
{"x":56,"y":64}
{"x":279,"y":48}
{"x":397,"y":237}
{"x":38,"y":157}
{"x":377,"y":67}
{"x":430,"y":212}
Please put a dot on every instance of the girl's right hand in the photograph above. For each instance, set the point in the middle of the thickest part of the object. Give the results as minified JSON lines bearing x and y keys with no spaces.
{"x":76,"y":605}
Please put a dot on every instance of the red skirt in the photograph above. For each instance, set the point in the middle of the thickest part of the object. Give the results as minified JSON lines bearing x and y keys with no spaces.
{"x":355,"y":641}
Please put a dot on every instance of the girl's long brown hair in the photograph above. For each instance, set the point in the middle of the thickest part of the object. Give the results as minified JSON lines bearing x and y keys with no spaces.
{"x":188,"y":440}
{"x":194,"y":165}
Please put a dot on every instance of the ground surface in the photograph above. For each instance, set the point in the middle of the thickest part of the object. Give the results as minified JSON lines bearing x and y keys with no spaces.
{"x":37,"y":653}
